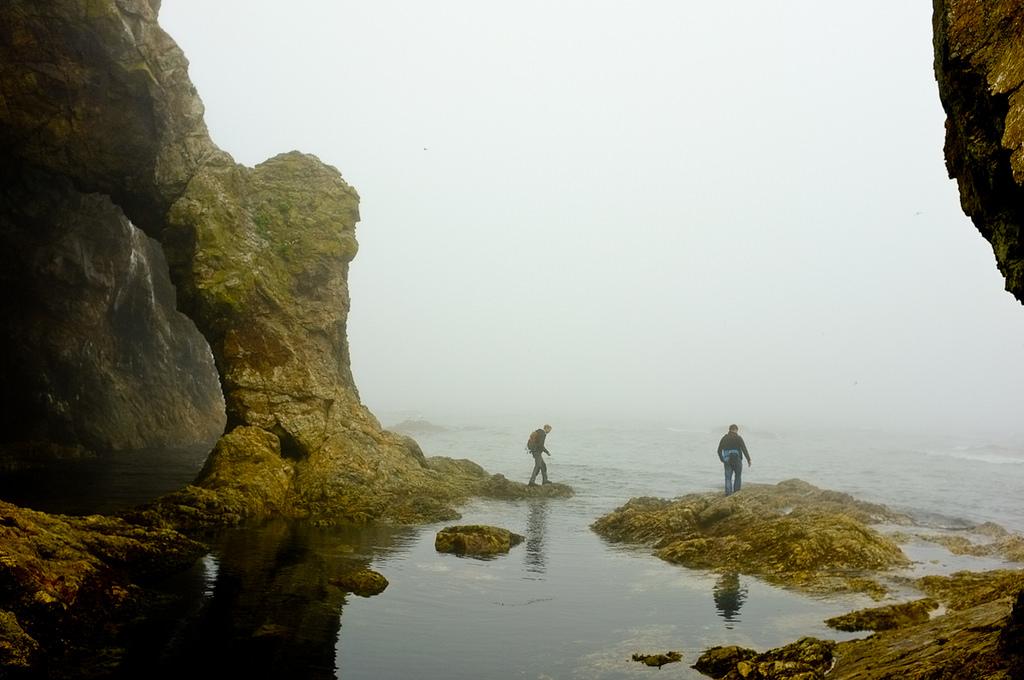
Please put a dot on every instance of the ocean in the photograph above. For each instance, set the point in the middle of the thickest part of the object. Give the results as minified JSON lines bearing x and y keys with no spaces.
{"x":565,"y":603}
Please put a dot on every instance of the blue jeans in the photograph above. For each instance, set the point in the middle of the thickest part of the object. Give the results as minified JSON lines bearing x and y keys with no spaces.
{"x":733,"y":462}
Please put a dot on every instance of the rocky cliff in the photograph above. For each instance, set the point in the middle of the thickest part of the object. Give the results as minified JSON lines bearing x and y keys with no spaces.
{"x":97,"y":101}
{"x":979,"y":65}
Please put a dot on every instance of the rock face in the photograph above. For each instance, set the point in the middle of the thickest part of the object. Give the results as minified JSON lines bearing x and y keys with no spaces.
{"x":791,"y":533}
{"x":979,"y":65}
{"x":97,"y":96}
{"x":94,"y":353}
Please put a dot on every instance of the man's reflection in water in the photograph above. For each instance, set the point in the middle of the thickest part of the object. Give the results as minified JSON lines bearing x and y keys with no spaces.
{"x":536,"y":523}
{"x":729,"y":597}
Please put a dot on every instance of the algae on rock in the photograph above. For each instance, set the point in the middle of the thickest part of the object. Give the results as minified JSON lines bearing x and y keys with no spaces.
{"x":791,"y":533}
{"x":475,"y":539}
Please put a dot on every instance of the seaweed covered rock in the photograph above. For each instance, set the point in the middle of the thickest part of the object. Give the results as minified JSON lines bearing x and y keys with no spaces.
{"x":885,"y":618}
{"x":1001,"y":543}
{"x":979,"y":636}
{"x":716,"y":662}
{"x":791,"y":533}
{"x":497,"y":486}
{"x":76,"y":580}
{"x":966,"y":589}
{"x":475,"y":539}
{"x":362,"y":582}
{"x":805,"y":659}
{"x":958,"y":644}
{"x":658,"y":660}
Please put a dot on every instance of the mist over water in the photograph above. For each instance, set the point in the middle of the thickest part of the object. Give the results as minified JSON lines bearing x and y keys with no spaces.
{"x":705,"y":214}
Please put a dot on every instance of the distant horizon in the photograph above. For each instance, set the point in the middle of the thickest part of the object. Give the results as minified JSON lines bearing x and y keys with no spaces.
{"x":728,"y":213}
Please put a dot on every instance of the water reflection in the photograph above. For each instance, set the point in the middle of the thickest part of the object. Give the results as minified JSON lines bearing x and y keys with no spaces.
{"x":264,"y":604}
{"x":729,"y":595}
{"x":536,"y":524}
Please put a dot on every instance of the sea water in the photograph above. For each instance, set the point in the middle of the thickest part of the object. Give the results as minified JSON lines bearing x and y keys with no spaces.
{"x":564,"y":603}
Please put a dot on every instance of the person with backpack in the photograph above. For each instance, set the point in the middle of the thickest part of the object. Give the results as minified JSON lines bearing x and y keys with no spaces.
{"x":730,"y":448}
{"x":535,"y":445}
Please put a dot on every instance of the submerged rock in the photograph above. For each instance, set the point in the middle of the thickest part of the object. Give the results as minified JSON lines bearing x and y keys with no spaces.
{"x":1004,"y":544}
{"x":791,"y":533}
{"x":476,"y":539}
{"x":658,"y":660}
{"x":885,"y":618}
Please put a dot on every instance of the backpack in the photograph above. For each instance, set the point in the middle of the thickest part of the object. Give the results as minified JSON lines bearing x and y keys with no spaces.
{"x":535,"y":442}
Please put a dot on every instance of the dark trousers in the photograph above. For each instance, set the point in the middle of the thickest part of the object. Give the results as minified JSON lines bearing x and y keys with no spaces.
{"x":539,"y":466}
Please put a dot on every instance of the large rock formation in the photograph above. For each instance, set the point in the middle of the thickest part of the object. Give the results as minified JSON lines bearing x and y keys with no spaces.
{"x":97,"y":96}
{"x":979,"y":65}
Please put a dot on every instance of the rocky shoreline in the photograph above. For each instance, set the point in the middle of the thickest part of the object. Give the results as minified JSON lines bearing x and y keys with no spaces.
{"x":73,"y":585}
{"x":796,"y":535}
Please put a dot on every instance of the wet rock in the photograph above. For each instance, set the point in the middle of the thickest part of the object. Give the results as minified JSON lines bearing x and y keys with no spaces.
{"x":475,"y":539}
{"x":791,"y":533}
{"x":74,"y":581}
{"x":718,"y":661}
{"x":805,"y":659}
{"x":1004,"y":544}
{"x":885,"y":618}
{"x":18,"y":651}
{"x":966,"y":589}
{"x":497,"y":486}
{"x":958,"y":644}
{"x":363,"y":582}
{"x":658,"y":660}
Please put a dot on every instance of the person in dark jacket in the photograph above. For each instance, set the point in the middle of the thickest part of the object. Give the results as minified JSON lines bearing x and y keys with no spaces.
{"x":535,"y":445}
{"x":730,"y":448}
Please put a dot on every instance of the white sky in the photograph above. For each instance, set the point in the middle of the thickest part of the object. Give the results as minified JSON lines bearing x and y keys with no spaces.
{"x":708,"y":212}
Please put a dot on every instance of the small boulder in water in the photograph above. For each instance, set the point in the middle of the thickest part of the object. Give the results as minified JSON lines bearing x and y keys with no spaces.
{"x":475,"y":539}
{"x":658,"y":660}
{"x":363,"y":582}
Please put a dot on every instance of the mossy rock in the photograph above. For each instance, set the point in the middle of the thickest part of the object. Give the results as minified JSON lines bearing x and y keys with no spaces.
{"x":885,"y":618}
{"x":806,"y":659}
{"x":658,"y":660}
{"x":363,"y":582}
{"x":791,"y":533}
{"x":475,"y":539}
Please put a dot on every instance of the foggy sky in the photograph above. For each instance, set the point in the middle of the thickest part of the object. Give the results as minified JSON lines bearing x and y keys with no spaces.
{"x":704,"y":212}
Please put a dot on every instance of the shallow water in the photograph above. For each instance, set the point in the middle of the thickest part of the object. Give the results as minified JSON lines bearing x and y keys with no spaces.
{"x":564,"y":603}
